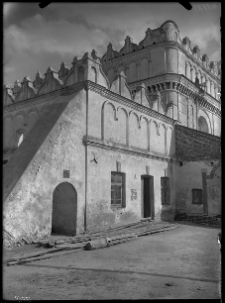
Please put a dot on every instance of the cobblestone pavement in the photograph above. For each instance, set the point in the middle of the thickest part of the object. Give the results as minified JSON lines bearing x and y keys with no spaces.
{"x":182,"y":263}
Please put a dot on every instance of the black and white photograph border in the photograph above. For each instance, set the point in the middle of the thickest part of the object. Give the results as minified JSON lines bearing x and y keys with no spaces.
{"x":111,"y":150}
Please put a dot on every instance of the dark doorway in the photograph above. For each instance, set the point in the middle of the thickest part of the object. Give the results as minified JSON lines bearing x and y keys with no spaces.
{"x":147,"y":194}
{"x":64,"y":213}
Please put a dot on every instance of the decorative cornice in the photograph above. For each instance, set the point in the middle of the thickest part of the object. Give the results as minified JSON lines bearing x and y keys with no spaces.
{"x":186,"y":87}
{"x":126,"y":102}
{"x":43,"y":99}
{"x":165,"y":44}
{"x":88,"y":140}
{"x":196,"y":61}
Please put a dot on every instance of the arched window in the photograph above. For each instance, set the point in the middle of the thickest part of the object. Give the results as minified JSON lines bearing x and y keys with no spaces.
{"x":93,"y":74}
{"x":203,"y":125}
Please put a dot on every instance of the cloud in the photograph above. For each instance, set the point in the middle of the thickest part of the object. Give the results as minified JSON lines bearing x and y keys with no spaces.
{"x":43,"y":38}
{"x":202,"y":38}
{"x":35,"y":39}
{"x":216,"y":56}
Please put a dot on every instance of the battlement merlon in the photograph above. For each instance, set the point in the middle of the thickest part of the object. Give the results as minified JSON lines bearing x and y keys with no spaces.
{"x":167,"y":32}
{"x":86,"y":68}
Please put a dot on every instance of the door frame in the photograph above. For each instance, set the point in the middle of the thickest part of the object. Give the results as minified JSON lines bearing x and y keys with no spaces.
{"x":151,"y":195}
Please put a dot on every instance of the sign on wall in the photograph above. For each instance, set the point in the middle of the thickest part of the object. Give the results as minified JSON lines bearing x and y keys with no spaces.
{"x":66,"y":174}
{"x":133,"y":194}
{"x":197,"y":196}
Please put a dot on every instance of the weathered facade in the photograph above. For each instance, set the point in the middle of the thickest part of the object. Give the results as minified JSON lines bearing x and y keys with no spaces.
{"x":87,"y":151}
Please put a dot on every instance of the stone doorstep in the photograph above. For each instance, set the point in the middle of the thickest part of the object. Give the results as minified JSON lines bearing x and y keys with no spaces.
{"x":65,"y":248}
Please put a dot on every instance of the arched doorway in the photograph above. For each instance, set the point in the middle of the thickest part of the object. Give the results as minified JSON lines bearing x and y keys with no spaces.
{"x":64,"y":212}
{"x":203,"y":125}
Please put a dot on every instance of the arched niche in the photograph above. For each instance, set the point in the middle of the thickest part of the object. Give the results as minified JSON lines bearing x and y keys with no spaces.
{"x":154,"y":136}
{"x":19,"y":121}
{"x":204,"y":123}
{"x":109,"y":122}
{"x":144,"y":134}
{"x":134,"y":130}
{"x":32,"y":118}
{"x":122,"y":126}
{"x":93,"y":74}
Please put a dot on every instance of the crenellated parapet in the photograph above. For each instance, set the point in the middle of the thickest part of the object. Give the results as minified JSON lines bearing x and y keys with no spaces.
{"x":166,"y":34}
{"x":39,"y":80}
{"x":27,"y":90}
{"x":213,"y":67}
{"x":17,"y":87}
{"x":51,"y":82}
{"x":129,"y":47}
{"x":119,"y":86}
{"x":87,"y":68}
{"x":64,"y":70}
{"x":8,"y":97}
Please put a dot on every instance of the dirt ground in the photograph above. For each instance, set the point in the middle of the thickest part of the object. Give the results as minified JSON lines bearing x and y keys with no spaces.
{"x":182,"y":263}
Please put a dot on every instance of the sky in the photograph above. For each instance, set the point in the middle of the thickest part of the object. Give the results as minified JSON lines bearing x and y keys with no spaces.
{"x":35,"y":39}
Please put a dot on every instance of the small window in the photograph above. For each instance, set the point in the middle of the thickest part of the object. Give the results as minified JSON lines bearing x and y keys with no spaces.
{"x":196,"y":196}
{"x":165,"y":190}
{"x":118,"y":195}
{"x":5,"y":161}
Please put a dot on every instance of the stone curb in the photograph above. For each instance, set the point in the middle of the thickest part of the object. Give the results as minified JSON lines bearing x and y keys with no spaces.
{"x":90,"y":245}
{"x":109,"y":241}
{"x":63,"y":249}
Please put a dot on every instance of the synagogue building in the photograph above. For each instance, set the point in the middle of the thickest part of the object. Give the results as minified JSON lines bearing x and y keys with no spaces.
{"x":108,"y":141}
